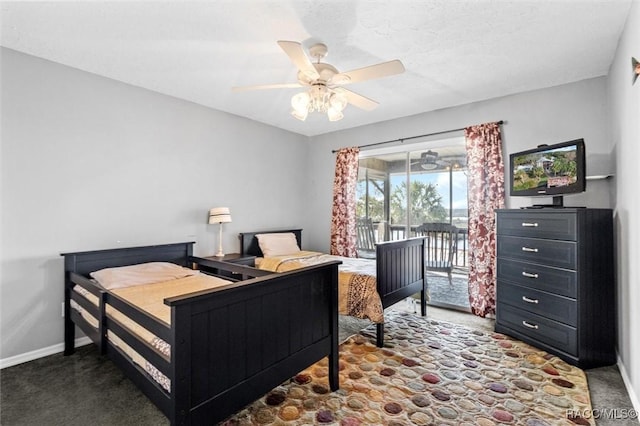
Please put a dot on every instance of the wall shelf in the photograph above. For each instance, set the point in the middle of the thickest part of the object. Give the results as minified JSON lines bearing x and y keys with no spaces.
{"x":598,"y":177}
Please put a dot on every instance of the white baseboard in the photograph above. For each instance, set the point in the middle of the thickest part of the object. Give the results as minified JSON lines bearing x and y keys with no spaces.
{"x":40,"y":353}
{"x":627,"y":384}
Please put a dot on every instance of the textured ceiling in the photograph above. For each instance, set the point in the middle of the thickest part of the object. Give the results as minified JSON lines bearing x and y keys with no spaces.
{"x":454,"y":52}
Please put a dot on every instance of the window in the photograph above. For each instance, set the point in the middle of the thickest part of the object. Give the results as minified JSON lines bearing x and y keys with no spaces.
{"x":400,"y":188}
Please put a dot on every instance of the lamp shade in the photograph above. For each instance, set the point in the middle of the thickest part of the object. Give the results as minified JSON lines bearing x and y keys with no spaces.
{"x":219,"y":215}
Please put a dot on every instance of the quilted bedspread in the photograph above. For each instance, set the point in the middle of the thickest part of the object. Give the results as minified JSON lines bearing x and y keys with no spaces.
{"x":357,"y":292}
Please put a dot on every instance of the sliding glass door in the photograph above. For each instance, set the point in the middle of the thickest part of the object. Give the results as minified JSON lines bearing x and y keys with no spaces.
{"x":403,"y":192}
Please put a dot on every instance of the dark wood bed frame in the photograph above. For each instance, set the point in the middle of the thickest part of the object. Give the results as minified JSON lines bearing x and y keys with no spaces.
{"x":400,"y":269}
{"x":229,"y":346}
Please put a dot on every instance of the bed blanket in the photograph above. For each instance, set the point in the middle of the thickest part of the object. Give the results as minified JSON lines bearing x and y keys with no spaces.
{"x":357,"y":292}
{"x":150,"y":298}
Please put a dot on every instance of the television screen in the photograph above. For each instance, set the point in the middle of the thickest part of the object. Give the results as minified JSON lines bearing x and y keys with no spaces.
{"x":549,"y":170}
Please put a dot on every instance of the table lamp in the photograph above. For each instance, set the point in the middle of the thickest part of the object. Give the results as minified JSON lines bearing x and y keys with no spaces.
{"x":219,"y":215}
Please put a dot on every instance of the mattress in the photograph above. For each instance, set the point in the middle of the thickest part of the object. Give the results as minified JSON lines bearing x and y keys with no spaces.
{"x":150,"y":298}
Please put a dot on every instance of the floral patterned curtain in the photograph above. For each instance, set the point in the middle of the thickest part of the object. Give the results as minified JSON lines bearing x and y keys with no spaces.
{"x":343,"y":217}
{"x":485,"y":194}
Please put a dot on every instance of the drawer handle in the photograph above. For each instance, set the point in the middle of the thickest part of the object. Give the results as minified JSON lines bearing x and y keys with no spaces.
{"x":530,"y":224}
{"x":526,"y":324}
{"x":529,"y":249}
{"x":529,"y":275}
{"x":526,"y":299}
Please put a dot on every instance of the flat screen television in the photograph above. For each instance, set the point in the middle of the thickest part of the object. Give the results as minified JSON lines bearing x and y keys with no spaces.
{"x":549,"y":170}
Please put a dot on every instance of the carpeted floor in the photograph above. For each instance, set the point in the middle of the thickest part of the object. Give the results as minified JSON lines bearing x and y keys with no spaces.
{"x":89,"y":389}
{"x":430,"y":372}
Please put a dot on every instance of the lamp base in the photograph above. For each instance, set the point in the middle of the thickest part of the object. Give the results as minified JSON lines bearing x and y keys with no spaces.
{"x":220,"y":253}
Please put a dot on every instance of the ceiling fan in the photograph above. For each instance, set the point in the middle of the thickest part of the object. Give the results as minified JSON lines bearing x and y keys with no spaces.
{"x":430,"y":160}
{"x":325,"y":93}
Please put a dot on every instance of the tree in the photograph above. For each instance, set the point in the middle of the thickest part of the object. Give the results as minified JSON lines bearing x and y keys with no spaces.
{"x":426,"y":203}
{"x":376,"y":200}
{"x":563,"y":166}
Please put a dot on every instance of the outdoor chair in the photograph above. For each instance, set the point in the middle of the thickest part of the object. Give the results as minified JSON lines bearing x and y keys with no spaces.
{"x":440,"y":246}
{"x":366,"y":238}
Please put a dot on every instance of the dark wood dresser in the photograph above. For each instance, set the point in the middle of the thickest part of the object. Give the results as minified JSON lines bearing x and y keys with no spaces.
{"x":555,"y":282}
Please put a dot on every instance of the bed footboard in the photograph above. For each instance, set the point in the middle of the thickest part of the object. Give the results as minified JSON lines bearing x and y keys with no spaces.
{"x":400,"y":273}
{"x":237,"y":344}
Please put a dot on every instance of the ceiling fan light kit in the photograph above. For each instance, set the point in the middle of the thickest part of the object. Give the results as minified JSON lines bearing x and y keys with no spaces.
{"x":324,"y":94}
{"x":429,"y":166}
{"x":321,"y":99}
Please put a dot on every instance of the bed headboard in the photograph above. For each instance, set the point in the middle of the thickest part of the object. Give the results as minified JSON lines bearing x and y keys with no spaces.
{"x":249,"y":242}
{"x":88,"y":261}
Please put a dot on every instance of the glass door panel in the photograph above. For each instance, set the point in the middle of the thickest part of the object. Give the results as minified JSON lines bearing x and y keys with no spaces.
{"x":379,"y":182}
{"x":403,"y":193}
{"x":427,"y":186}
{"x":397,"y":215}
{"x":439,"y":185}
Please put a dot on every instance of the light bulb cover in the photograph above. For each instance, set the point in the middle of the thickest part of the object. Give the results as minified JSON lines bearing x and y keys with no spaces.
{"x":319,"y":98}
{"x":429,"y":166}
{"x":338,"y":101}
{"x":300,"y":101}
{"x":334,"y":114}
{"x":300,"y":115}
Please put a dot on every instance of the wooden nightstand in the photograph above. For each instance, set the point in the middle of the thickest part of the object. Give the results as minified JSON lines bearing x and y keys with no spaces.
{"x":236,"y":258}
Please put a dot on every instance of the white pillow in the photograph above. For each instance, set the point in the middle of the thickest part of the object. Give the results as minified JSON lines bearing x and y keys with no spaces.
{"x":143,"y":273}
{"x":278,"y":244}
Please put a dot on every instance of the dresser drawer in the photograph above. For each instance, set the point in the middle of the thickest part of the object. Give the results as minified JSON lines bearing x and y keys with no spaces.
{"x":552,"y":306}
{"x":558,"y":225}
{"x":560,"y":336}
{"x":553,"y":280}
{"x":560,"y":254}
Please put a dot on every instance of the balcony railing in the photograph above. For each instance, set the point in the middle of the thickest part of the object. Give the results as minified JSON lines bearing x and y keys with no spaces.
{"x":399,"y":232}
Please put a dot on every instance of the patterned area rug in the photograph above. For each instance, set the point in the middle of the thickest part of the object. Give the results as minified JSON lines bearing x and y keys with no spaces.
{"x":430,"y":372}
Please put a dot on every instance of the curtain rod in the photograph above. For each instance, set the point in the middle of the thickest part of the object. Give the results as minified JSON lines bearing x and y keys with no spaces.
{"x":412,"y":137}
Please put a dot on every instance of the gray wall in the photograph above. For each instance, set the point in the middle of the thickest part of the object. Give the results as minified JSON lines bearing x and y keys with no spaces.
{"x":91,"y":163}
{"x":624,"y":101}
{"x":552,"y":115}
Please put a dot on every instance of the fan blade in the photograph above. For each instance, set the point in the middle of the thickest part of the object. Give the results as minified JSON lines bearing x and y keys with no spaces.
{"x":265,"y":86}
{"x":359,"y":101}
{"x":296,"y":53}
{"x":368,"y":73}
